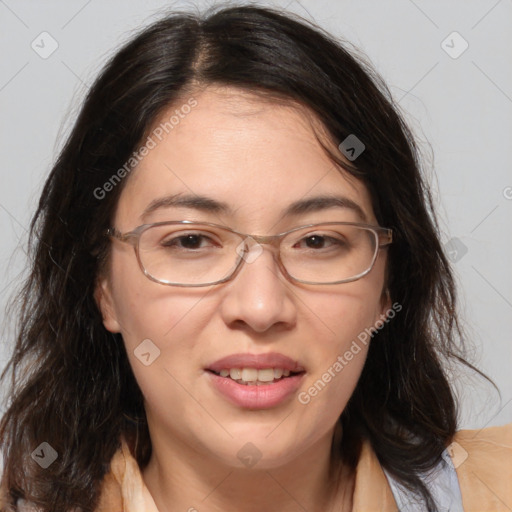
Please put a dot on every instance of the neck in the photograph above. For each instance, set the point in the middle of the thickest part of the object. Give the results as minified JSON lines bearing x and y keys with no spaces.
{"x":181,"y":479}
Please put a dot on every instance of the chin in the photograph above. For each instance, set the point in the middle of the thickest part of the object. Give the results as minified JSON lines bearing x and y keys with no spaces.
{"x":255,"y":450}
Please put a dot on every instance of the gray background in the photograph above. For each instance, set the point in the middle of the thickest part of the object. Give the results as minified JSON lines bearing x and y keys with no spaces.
{"x":459,"y":108}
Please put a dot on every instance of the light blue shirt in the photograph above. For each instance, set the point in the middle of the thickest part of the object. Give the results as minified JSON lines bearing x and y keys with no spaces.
{"x":442,"y":482}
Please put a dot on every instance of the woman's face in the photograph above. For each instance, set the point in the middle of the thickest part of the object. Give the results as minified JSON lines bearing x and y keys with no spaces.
{"x":256,"y":159}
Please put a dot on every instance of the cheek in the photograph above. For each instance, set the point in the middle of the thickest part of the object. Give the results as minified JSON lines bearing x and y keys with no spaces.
{"x":342,"y":315}
{"x":161,"y":328}
{"x":146,"y":309}
{"x":341,"y":349}
{"x":340,"y":327}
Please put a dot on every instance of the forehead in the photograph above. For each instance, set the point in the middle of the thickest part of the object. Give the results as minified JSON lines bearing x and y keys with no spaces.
{"x":256,"y":156}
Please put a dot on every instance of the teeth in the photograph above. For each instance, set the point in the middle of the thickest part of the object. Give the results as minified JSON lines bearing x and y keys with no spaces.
{"x":249,"y":374}
{"x":235,"y":373}
{"x":266,"y":375}
{"x":253,"y":376}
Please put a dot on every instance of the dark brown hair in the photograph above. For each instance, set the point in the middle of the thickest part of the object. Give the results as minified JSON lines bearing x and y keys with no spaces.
{"x":72,"y":384}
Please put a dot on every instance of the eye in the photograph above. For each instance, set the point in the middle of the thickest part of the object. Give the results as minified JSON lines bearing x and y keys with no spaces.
{"x":317,"y":241}
{"x":191,"y":241}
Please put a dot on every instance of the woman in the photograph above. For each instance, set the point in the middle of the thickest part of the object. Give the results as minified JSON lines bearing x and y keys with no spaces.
{"x":238,"y":298}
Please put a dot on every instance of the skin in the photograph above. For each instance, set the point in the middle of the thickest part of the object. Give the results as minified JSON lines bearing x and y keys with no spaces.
{"x":258,"y":158}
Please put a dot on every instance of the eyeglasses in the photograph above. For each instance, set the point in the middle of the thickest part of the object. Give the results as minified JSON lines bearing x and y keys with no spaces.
{"x":187,"y":253}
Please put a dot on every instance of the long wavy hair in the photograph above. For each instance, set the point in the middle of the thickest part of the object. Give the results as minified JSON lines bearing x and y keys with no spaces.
{"x":72,"y":385}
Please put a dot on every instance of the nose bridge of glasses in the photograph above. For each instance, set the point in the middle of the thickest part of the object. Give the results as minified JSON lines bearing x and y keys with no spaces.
{"x":251,"y":246}
{"x":264,"y":239}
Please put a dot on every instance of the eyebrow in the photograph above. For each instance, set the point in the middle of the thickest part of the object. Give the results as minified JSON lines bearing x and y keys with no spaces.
{"x":210,"y":205}
{"x":201,"y":203}
{"x":319,"y":203}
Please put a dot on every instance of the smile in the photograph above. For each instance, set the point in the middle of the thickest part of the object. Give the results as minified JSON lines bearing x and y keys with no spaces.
{"x":254,"y":376}
{"x":256,"y":381}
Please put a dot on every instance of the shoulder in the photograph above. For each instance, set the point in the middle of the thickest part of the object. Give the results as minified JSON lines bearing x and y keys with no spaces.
{"x":483,"y":462}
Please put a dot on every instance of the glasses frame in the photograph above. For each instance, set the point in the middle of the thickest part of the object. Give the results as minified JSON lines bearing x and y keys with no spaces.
{"x":383,"y":237}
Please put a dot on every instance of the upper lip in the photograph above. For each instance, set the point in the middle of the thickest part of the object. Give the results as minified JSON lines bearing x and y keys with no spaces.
{"x":258,"y":361}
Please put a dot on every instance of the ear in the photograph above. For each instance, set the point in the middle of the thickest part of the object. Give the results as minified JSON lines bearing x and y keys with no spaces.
{"x":385,"y":305}
{"x":105,"y":302}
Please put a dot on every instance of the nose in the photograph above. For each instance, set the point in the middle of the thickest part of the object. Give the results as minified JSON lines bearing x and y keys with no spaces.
{"x":259,"y":297}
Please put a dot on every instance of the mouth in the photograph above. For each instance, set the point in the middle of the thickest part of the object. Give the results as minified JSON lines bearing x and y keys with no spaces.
{"x":255,"y":376}
{"x":256,"y":381}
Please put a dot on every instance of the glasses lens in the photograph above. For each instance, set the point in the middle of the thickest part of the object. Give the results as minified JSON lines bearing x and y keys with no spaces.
{"x":329,"y":253}
{"x":191,"y":254}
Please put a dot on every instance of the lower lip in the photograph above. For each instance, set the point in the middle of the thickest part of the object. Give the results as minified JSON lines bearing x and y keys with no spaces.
{"x":256,"y":397}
